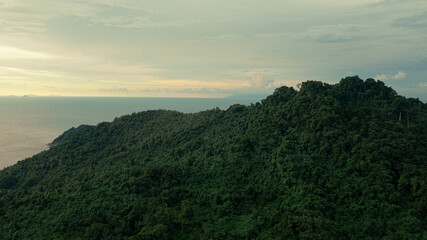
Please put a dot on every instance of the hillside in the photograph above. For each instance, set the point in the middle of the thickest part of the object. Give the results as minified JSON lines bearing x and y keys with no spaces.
{"x":343,"y":161}
{"x":65,"y":136}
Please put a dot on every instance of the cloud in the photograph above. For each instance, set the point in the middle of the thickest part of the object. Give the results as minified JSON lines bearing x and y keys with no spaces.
{"x":118,"y":3}
{"x":422,"y":84}
{"x":134,"y":22}
{"x":23,"y":17}
{"x":336,"y":33}
{"x":398,"y":76}
{"x":197,"y":84}
{"x":206,"y":90}
{"x":16,"y":53}
{"x":416,"y":21}
{"x":114,"y":90}
{"x":382,"y":77}
{"x":255,"y":78}
{"x":224,"y":37}
{"x":5,"y":4}
{"x":28,"y":73}
{"x":207,"y":47}
{"x":279,"y":83}
{"x":148,"y":90}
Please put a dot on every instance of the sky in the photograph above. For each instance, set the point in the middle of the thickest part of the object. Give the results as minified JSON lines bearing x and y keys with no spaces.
{"x":199,"y":48}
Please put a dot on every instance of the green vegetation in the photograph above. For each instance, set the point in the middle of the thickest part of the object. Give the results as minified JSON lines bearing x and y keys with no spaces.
{"x":343,"y":161}
{"x":69,"y":133}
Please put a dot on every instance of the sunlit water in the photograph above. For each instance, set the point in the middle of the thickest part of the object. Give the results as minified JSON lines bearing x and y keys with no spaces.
{"x":28,"y":124}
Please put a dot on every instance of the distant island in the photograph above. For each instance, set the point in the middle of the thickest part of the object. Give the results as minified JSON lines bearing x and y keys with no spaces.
{"x":329,"y":161}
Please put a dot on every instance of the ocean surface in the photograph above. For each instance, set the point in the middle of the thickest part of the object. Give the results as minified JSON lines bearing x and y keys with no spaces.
{"x":28,"y":124}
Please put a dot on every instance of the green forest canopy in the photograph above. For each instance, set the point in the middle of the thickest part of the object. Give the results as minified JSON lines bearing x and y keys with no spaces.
{"x":342,"y":161}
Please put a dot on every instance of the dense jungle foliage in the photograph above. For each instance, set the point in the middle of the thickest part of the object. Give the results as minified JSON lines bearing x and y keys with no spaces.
{"x":65,"y":136}
{"x":342,"y":161}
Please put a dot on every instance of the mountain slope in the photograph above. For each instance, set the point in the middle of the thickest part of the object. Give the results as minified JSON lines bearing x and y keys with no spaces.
{"x":65,"y":136}
{"x":343,"y":161}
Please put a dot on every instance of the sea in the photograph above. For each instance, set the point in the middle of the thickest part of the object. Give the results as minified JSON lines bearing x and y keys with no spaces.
{"x":29,"y":124}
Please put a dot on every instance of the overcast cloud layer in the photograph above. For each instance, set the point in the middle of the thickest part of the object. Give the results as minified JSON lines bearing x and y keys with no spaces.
{"x":194,"y":48}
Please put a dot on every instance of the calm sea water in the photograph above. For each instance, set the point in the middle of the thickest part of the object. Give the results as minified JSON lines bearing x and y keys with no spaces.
{"x":28,"y":124}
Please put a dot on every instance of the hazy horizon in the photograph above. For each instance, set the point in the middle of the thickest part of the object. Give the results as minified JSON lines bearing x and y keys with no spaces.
{"x":190,"y":97}
{"x":234,"y":96}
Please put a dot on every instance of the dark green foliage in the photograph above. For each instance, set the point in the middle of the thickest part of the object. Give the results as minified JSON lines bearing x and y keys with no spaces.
{"x":70,"y":133}
{"x":343,"y":161}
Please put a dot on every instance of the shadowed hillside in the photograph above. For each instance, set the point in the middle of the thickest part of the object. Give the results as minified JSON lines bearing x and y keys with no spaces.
{"x":343,"y":161}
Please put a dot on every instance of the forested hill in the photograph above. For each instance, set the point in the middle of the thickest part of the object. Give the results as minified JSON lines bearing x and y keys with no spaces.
{"x":343,"y":161}
{"x":65,"y":136}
